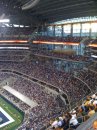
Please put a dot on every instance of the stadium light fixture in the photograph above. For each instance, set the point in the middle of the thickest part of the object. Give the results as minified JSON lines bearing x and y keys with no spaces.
{"x":22,"y":48}
{"x":4,"y":20}
{"x":15,"y":25}
{"x":21,"y":26}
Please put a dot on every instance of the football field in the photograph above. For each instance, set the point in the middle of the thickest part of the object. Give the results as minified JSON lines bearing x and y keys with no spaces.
{"x":10,"y":117}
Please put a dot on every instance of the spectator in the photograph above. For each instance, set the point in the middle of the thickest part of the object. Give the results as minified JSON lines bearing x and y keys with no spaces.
{"x":91,"y":111}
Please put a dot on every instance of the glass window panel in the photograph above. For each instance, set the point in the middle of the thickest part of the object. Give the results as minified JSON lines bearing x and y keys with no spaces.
{"x":58,"y":30}
{"x":67,"y":28}
{"x":81,"y":19}
{"x":76,"y":28}
{"x":86,"y":27}
{"x":50,"y":30}
{"x":94,"y":27}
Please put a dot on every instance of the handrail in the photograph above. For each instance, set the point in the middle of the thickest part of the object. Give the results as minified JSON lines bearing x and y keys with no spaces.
{"x":92,"y":70}
{"x":84,"y":83}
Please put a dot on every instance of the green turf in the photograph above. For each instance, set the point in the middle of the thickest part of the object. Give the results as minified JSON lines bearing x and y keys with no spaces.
{"x":13,"y":112}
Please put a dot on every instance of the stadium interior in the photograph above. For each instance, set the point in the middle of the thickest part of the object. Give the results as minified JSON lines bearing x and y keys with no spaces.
{"x":48,"y":64}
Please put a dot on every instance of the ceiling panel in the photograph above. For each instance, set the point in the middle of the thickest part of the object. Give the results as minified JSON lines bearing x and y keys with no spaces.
{"x":47,"y":10}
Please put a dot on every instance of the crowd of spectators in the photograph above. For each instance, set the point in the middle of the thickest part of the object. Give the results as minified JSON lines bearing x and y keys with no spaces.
{"x":47,"y":104}
{"x":52,"y":76}
{"x":87,"y":41}
{"x":76,"y":39}
{"x":14,"y":33}
{"x":89,"y":77}
{"x":21,"y":105}
{"x":59,"y":39}
{"x":13,"y":55}
{"x":12,"y":58}
{"x":74,"y":88}
{"x":14,"y":51}
{"x":77,"y":116}
{"x":93,"y":67}
{"x":94,"y":41}
{"x":59,"y":54}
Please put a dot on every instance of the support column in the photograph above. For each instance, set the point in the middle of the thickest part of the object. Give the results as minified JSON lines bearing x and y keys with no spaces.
{"x":54,"y":31}
{"x":90,"y":31}
{"x":62,"y":31}
{"x":47,"y":30}
{"x":71,"y":29}
{"x":42,"y":30}
{"x":80,"y":29}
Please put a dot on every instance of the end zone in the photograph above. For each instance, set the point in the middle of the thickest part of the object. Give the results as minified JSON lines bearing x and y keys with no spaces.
{"x":7,"y":116}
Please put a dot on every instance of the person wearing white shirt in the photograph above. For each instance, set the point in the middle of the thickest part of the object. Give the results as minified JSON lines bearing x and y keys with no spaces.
{"x":95,"y":102}
{"x":73,"y":122}
{"x":73,"y":113}
{"x":93,"y":96}
{"x":55,"y":124}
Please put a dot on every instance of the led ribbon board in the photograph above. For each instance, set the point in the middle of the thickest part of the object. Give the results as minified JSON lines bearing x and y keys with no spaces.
{"x":58,"y":43}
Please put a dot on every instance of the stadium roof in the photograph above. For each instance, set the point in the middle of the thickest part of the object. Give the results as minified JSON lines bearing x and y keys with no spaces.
{"x":35,"y":12}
